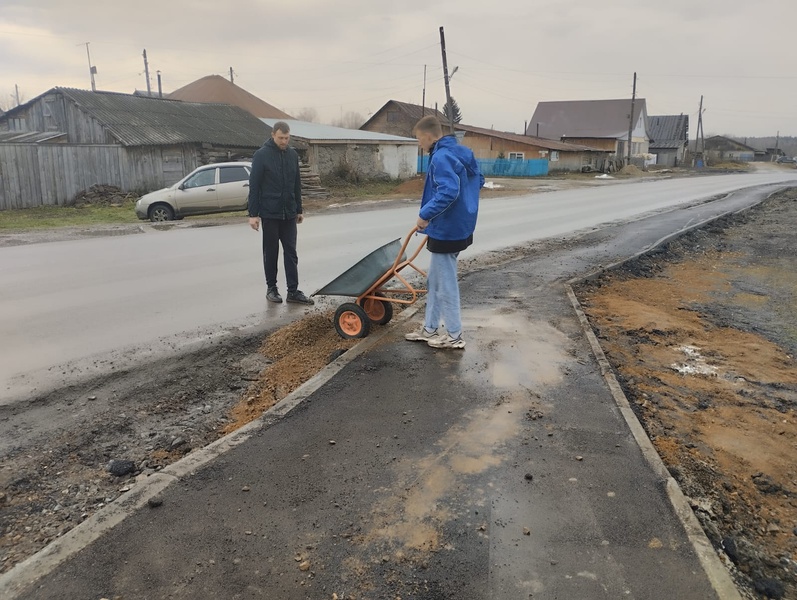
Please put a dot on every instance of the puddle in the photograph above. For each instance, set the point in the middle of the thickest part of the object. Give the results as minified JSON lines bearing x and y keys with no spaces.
{"x":413,"y":519}
{"x":518,"y":352}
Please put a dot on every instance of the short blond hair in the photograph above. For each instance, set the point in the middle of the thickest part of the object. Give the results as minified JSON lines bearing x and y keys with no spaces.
{"x":430,"y":124}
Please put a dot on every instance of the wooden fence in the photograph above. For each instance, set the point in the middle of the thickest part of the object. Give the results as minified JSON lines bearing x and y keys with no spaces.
{"x":53,"y":174}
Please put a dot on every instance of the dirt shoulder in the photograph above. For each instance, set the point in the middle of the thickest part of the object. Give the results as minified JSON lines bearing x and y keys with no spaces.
{"x":703,"y":337}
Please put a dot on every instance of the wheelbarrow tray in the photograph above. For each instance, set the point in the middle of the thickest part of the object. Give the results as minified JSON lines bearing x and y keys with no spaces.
{"x":361,"y":277}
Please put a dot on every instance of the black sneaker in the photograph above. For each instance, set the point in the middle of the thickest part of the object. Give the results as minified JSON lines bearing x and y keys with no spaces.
{"x":298,"y":297}
{"x":273,"y":295}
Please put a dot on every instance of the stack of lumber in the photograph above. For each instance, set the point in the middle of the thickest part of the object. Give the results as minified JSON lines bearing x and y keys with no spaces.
{"x":311,"y":184}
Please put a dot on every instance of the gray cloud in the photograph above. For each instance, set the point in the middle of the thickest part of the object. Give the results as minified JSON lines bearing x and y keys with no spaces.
{"x":357,"y":54}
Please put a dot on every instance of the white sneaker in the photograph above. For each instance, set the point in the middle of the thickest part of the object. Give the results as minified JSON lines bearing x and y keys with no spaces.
{"x":422,"y":335}
{"x":447,"y":342}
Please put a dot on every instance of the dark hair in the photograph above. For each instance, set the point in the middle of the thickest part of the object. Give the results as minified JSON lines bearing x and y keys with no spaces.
{"x":430,"y":124}
{"x":280,"y":126}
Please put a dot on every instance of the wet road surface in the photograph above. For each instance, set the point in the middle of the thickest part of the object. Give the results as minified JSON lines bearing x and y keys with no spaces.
{"x":69,"y":310}
{"x":503,"y":471}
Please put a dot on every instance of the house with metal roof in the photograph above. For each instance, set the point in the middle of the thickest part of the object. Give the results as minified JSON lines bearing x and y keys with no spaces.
{"x":355,"y":153}
{"x":669,"y":138}
{"x":488,"y":144}
{"x":719,"y":149}
{"x":216,"y":89}
{"x":599,"y":124}
{"x":399,"y":118}
{"x":66,"y":140}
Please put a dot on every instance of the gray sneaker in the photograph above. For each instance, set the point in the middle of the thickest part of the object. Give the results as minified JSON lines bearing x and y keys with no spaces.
{"x":421,"y":335}
{"x":447,"y":342}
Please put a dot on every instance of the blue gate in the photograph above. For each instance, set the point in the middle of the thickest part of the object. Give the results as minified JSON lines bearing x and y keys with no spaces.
{"x":501,"y":167}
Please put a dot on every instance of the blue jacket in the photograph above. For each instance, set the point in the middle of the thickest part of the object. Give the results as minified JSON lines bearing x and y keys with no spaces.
{"x":450,"y":199}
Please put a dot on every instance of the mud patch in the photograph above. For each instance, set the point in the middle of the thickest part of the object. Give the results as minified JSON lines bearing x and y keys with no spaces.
{"x":296,"y":353}
{"x":703,"y":337}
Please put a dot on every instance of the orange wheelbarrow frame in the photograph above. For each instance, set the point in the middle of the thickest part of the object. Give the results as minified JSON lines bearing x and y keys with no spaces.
{"x":367,"y":282}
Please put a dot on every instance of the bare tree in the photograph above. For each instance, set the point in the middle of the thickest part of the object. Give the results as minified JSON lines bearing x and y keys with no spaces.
{"x":349,"y":120}
{"x":308,"y":113}
{"x":8,"y":100}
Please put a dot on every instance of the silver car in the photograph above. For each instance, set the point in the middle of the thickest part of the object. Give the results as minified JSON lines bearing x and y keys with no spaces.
{"x":209,"y":189}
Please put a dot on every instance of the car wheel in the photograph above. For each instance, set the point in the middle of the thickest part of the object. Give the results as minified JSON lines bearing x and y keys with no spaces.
{"x":160,"y":213}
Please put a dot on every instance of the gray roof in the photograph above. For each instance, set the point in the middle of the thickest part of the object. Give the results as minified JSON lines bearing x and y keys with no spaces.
{"x":316,"y":132}
{"x":413,"y":112}
{"x":142,"y":121}
{"x":585,"y":118}
{"x":526,"y":139}
{"x":668,"y":131}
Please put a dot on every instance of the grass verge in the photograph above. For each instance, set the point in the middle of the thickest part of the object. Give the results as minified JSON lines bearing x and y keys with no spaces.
{"x":49,"y":217}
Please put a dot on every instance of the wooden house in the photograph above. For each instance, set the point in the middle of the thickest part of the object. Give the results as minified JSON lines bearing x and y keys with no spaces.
{"x":600,"y":124}
{"x":669,"y":138}
{"x":67,"y":140}
{"x":399,"y":118}
{"x":561,"y":156}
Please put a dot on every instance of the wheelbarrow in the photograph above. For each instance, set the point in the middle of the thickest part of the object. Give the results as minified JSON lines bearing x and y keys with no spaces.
{"x":367,"y":282}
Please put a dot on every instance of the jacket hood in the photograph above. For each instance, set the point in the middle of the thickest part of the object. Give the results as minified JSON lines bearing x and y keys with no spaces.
{"x":463,"y":153}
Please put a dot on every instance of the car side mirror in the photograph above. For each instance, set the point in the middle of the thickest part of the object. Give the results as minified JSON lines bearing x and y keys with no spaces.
{"x":181,"y":187}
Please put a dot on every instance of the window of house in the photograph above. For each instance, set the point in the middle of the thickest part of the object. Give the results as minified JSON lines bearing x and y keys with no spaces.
{"x":554,"y":155}
{"x":393,"y":116}
{"x":233,"y":174}
{"x":517,"y":156}
{"x":17,"y":124}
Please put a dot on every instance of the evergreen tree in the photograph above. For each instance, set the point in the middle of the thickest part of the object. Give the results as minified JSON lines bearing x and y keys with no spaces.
{"x":455,"y":108}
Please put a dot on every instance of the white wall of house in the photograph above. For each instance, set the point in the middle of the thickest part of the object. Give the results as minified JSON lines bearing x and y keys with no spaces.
{"x":368,"y":161}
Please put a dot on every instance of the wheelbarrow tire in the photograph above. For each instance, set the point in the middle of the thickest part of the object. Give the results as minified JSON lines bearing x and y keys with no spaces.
{"x":378,"y":311}
{"x":351,"y":321}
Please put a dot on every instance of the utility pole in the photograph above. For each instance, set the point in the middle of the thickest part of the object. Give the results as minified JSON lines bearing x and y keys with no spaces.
{"x":160,"y":86}
{"x":146,"y":73}
{"x":92,"y":69}
{"x":423,"y":101}
{"x":700,"y":148}
{"x":445,"y":77}
{"x":777,"y":140}
{"x":16,"y":92}
{"x":232,"y":76}
{"x":631,"y":121}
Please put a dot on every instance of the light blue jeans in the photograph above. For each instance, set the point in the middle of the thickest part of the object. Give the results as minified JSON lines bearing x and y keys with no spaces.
{"x":442,"y":300}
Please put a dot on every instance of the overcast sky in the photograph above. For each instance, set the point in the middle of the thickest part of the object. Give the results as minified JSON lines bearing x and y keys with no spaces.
{"x":353,"y":55}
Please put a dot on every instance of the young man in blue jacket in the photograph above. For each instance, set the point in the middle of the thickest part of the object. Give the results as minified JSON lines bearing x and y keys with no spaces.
{"x":275,"y":202}
{"x":449,"y":207}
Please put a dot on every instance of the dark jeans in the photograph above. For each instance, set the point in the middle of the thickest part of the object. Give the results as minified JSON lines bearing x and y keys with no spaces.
{"x":276,"y":232}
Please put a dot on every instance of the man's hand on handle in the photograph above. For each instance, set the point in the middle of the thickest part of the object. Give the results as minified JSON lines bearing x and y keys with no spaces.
{"x":421,"y":224}
{"x":300,"y":218}
{"x":254,"y":223}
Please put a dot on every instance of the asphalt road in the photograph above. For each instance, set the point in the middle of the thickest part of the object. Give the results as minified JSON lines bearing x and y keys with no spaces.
{"x":77,"y":308}
{"x":505,"y":471}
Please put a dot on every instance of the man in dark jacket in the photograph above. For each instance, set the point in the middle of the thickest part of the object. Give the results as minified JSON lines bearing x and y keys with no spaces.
{"x":275,"y":202}
{"x":449,"y":207}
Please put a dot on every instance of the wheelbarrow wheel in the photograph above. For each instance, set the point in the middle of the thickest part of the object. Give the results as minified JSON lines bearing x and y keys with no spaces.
{"x":379,"y":311}
{"x":351,"y":321}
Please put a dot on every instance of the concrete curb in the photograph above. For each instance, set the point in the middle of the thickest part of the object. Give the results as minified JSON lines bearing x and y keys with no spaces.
{"x":20,"y":578}
{"x":717,"y":573}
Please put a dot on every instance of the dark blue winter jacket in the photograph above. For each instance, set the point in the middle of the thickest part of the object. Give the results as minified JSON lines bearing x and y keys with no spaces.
{"x":450,"y":199}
